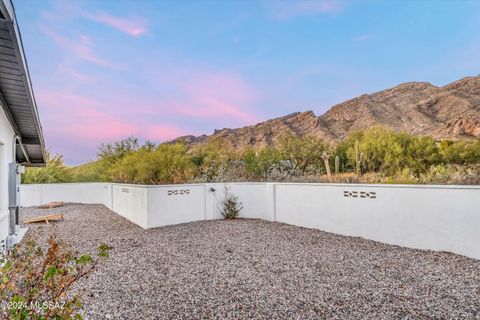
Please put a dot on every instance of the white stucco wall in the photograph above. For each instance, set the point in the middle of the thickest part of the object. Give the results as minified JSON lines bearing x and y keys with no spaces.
{"x":256,"y":199}
{"x":130,"y":201}
{"x":38,"y":194}
{"x":6,"y":157}
{"x":175,"y":204}
{"x":426,"y":217}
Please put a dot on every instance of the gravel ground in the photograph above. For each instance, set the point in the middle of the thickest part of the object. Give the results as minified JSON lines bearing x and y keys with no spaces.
{"x":253,"y":269}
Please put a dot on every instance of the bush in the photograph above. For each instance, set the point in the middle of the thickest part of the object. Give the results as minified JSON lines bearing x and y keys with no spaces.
{"x":112,"y":152}
{"x":461,"y":152}
{"x":54,"y":171}
{"x":212,"y":160}
{"x":230,"y":207}
{"x":389,"y":152}
{"x":260,"y":162}
{"x":36,"y":284}
{"x":90,"y":172}
{"x":303,"y":153}
{"x":168,"y":163}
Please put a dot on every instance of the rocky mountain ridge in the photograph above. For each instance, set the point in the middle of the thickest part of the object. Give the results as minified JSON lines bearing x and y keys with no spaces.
{"x":447,"y":112}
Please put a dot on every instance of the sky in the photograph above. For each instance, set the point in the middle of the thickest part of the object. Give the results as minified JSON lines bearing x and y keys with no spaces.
{"x":156,"y":70}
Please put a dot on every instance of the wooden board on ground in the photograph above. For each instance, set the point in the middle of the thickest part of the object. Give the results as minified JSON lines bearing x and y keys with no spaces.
{"x":46,"y":218}
{"x":50,"y":205}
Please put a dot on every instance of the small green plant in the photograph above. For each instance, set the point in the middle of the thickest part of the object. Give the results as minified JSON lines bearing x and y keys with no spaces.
{"x":36,"y":284}
{"x":230,"y":206}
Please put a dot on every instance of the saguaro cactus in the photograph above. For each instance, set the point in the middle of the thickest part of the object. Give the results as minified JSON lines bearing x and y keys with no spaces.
{"x":357,"y":159}
{"x":360,"y":163}
{"x":337,"y":165}
{"x":325,"y":158}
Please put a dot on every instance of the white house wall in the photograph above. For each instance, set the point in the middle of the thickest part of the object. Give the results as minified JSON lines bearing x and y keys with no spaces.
{"x":6,"y":157}
{"x":427,"y":217}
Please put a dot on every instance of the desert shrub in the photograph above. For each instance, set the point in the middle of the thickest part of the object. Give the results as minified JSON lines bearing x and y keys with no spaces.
{"x":345,"y":150}
{"x":380,"y":149}
{"x":54,"y":171}
{"x":167,"y":163}
{"x":461,"y":152}
{"x":94,"y":171}
{"x":112,"y":152}
{"x":421,"y":153}
{"x":260,"y":162}
{"x":303,"y":153}
{"x":250,"y":157}
{"x":452,"y":174}
{"x":469,"y":174}
{"x":389,"y":152}
{"x":402,"y":176}
{"x":36,"y":284}
{"x":438,"y":174}
{"x":230,"y":206}
{"x":212,"y":160}
{"x":227,"y":173}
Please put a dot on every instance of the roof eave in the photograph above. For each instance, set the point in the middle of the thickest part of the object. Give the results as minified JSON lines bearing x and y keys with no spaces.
{"x":10,"y":20}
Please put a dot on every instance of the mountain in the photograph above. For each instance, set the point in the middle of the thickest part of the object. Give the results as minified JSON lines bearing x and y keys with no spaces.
{"x":448,"y":112}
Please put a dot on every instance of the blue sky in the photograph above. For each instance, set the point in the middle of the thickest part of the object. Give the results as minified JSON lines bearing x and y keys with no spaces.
{"x":104,"y":70}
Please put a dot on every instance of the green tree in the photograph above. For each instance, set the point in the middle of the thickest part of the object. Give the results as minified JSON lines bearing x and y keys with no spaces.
{"x":112,"y":152}
{"x":422,"y":153}
{"x":54,"y":171}
{"x":303,"y":153}
{"x":212,"y":158}
{"x":93,"y":171}
{"x":259,"y":162}
{"x":388,"y":152}
{"x":344,"y":148}
{"x":461,"y":152}
{"x":168,"y":163}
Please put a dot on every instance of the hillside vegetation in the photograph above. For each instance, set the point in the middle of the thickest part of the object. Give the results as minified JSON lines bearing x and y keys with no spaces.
{"x":376,"y":155}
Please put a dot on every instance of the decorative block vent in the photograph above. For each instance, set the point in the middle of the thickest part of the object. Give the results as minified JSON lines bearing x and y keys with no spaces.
{"x":126,"y":190}
{"x":360,"y":194}
{"x":178,"y":192}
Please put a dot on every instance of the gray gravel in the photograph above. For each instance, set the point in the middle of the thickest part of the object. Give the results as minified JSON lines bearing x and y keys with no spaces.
{"x":253,"y":269}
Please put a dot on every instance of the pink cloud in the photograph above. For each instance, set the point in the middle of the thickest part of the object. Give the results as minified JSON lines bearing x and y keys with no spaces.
{"x":96,"y":126}
{"x":209,"y":94}
{"x":78,"y":117}
{"x":206,"y":95}
{"x":133,"y":26}
{"x":212,"y":108}
{"x":90,"y":122}
{"x":80,"y":47}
